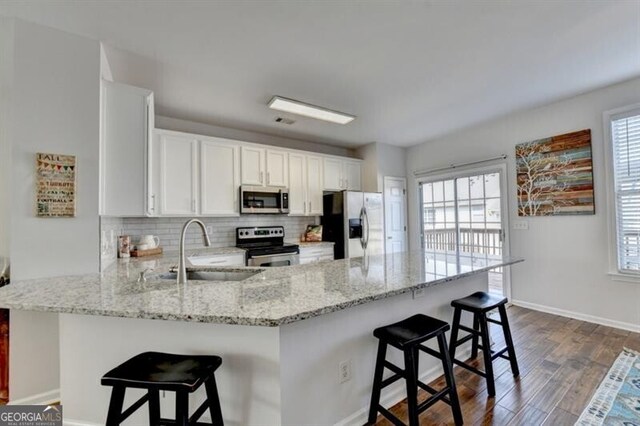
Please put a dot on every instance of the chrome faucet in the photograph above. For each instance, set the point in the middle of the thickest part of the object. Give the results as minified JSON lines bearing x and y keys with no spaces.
{"x":182,"y":265}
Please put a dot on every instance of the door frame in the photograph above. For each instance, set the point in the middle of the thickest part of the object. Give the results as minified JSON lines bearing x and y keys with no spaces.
{"x":385,"y":179}
{"x":460,"y":172}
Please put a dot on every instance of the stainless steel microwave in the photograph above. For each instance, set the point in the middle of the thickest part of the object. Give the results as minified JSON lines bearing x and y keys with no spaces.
{"x":264,"y":200}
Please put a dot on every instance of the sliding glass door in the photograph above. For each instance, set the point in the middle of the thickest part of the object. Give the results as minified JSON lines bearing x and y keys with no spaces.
{"x":463,"y":214}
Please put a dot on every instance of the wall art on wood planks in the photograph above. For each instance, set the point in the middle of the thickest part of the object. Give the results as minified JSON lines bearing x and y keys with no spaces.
{"x":555,"y":175}
{"x":55,"y":185}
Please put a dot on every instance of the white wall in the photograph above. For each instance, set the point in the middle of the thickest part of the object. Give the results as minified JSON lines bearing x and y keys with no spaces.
{"x":55,"y":109}
{"x":566,"y":257}
{"x":380,"y":160}
{"x":6,"y":77}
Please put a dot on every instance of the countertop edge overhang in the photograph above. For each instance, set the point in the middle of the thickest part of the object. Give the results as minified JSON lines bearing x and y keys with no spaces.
{"x":12,"y":298}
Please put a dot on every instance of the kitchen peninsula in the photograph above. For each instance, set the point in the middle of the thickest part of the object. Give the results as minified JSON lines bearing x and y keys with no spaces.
{"x":282,"y":333}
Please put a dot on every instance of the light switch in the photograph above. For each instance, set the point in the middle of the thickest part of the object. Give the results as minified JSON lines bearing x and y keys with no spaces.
{"x":521,"y":225}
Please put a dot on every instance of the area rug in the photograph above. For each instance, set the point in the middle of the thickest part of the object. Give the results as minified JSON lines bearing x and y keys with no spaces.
{"x":617,"y":400}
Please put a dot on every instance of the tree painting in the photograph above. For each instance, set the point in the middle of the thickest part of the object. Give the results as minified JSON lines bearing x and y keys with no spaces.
{"x":555,"y":175}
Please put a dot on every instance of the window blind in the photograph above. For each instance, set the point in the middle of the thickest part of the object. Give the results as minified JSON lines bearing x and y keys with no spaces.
{"x":626,"y":162}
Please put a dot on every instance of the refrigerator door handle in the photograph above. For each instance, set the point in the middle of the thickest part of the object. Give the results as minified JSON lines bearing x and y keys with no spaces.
{"x":366,"y":219}
{"x":362,"y":240}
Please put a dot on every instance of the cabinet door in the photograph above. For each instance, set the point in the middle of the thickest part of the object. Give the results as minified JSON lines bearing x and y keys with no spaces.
{"x":127,"y":120}
{"x":353,"y":179}
{"x":314,"y":185}
{"x":333,"y":174}
{"x":253,"y":166}
{"x":277,"y":174}
{"x":219,"y":178}
{"x":298,"y":186}
{"x":178,"y":159}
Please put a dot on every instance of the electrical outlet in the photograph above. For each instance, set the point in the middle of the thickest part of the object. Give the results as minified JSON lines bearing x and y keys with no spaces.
{"x":521,"y":225}
{"x":418,"y":292}
{"x":210,"y":229}
{"x":345,"y":368}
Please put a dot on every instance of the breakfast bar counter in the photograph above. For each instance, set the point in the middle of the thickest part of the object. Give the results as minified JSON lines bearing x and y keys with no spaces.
{"x":282,"y":333}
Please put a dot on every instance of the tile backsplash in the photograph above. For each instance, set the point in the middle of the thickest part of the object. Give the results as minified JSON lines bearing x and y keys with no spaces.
{"x":221,"y":230}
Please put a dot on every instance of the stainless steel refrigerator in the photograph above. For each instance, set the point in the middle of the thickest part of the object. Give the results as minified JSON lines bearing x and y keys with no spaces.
{"x":354,"y":222}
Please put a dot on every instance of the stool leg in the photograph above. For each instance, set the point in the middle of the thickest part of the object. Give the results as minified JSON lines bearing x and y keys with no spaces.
{"x":214,"y":401}
{"x":411,"y":378}
{"x":474,"y":341}
{"x":182,"y":408}
{"x":454,"y":332}
{"x":115,"y":406}
{"x":486,"y":353}
{"x":154,"y":407}
{"x":377,"y":383}
{"x":509,"y":341}
{"x":450,"y":379}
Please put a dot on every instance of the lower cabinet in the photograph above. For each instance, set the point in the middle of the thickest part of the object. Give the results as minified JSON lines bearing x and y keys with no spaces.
{"x":311,"y":254}
{"x":234,"y":259}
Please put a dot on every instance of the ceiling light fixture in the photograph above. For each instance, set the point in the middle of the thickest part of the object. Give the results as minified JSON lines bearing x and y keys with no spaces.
{"x":296,"y":107}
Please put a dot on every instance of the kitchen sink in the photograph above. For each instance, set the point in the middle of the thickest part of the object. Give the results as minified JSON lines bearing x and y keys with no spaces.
{"x":212,"y":275}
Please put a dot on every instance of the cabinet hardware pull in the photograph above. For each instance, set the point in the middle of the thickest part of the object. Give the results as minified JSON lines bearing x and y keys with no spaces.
{"x":268,"y":178}
{"x":153,"y":203}
{"x":261,"y":177}
{"x":193,"y":205}
{"x":310,"y":209}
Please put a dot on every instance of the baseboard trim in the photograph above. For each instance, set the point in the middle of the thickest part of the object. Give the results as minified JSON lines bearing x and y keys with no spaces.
{"x":71,"y":422}
{"x":396,"y":394}
{"x":44,"y":398}
{"x":579,"y":316}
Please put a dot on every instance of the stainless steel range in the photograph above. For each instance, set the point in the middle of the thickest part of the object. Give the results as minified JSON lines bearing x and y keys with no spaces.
{"x":265,"y":246}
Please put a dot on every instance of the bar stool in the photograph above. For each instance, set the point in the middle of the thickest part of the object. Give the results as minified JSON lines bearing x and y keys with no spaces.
{"x":481,"y":303}
{"x":408,"y":336}
{"x":155,"y":372}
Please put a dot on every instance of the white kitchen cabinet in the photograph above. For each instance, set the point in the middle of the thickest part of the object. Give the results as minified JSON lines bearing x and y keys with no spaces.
{"x":298,"y":184}
{"x":352,"y":176}
{"x":253,"y":164}
{"x":231,"y":259}
{"x":333,"y":174}
{"x":277,"y":168}
{"x":126,"y":132}
{"x":305,"y":189}
{"x":342,"y":174}
{"x":219,"y":177}
{"x":314,"y":181}
{"x":313,"y":254}
{"x":178,"y":164}
{"x":264,"y":167}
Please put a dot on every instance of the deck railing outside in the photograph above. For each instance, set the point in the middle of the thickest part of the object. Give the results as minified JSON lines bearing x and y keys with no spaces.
{"x":485,"y":241}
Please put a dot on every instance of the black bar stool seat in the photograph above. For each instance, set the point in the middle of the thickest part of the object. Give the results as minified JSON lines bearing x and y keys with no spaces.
{"x":408,"y":335}
{"x":411,"y":331}
{"x":480,"y":304}
{"x":157,"y":371}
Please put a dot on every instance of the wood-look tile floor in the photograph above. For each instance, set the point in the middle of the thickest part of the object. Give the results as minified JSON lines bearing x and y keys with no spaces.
{"x":562,"y":361}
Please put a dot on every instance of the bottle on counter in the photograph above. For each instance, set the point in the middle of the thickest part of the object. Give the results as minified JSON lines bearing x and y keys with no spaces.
{"x":124,"y":246}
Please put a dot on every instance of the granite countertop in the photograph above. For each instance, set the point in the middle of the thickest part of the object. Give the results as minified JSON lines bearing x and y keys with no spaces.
{"x":272,"y":297}
{"x":308,"y":244}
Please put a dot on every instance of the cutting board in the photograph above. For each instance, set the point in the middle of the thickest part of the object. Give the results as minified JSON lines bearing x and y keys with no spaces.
{"x":144,"y":253}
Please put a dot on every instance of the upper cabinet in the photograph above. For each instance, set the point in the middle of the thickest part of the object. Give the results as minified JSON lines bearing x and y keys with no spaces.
{"x":126,"y":131}
{"x":264,"y":167}
{"x":219,"y":177}
{"x":341,"y":174}
{"x":305,"y":189}
{"x":277,"y":168}
{"x":178,"y":171}
{"x":195,"y":175}
{"x":253,"y":166}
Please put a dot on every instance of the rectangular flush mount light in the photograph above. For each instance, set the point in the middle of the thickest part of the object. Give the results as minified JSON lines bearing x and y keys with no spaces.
{"x":300,"y":108}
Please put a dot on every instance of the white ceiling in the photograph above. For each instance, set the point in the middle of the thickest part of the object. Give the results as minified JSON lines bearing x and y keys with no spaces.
{"x":410,"y":70}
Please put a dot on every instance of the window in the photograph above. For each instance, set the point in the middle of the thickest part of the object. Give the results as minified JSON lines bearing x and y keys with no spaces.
{"x":625,"y":138}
